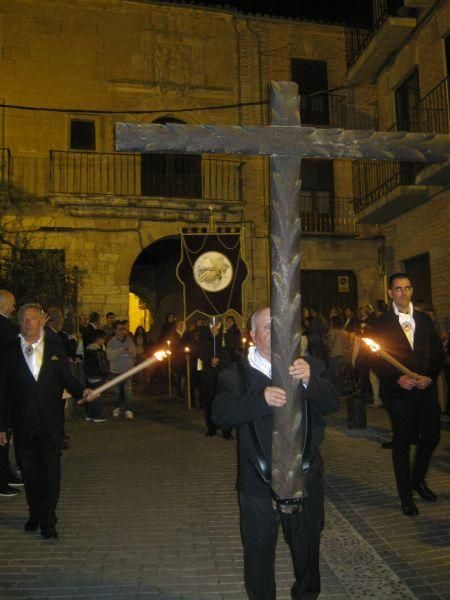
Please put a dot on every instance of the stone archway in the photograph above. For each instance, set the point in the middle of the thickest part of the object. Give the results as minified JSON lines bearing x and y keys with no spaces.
{"x":153,"y":278}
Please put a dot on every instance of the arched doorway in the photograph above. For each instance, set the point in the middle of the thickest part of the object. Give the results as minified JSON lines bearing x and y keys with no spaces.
{"x":153,"y":278}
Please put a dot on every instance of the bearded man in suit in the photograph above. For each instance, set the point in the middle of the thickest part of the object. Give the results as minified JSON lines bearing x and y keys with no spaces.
{"x":412,"y":403}
{"x":35,"y":371}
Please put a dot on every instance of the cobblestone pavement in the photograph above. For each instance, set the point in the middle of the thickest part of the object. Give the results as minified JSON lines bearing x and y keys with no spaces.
{"x":148,"y":510}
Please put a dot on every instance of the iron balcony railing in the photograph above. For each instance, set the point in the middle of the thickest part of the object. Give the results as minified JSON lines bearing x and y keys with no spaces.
{"x":152,"y":175}
{"x":375,"y":179}
{"x":5,"y":169}
{"x":321,"y":108}
{"x":322,"y":212}
{"x":432,"y":111}
{"x":367,"y":18}
{"x":431,"y":114}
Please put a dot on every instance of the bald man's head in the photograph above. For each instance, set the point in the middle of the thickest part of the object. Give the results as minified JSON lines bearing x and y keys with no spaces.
{"x":7,"y":303}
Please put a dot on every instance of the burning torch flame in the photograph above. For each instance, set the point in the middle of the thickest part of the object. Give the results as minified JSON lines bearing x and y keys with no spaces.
{"x":160,"y":355}
{"x":372,"y":345}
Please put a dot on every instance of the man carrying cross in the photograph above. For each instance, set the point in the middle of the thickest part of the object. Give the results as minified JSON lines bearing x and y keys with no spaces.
{"x":247,"y":399}
{"x":286,"y":143}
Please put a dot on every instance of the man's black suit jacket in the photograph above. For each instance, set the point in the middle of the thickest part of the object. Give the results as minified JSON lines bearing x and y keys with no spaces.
{"x":8,"y":332}
{"x":235,"y":407}
{"x":425,"y":359}
{"x":30,"y":406}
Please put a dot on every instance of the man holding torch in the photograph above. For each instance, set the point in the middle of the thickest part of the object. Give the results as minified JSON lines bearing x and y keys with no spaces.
{"x":408,"y":363}
{"x":34,"y":373}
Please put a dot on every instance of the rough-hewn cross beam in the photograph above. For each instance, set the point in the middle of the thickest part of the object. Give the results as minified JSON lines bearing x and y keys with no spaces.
{"x":305,"y":142}
{"x":286,"y":142}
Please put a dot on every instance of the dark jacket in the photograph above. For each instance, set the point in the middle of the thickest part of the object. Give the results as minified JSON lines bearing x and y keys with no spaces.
{"x":96,"y":366}
{"x":88,"y":334}
{"x":31,"y":406}
{"x":8,"y":332}
{"x":233,"y":408}
{"x":232,"y":338}
{"x":425,"y":359}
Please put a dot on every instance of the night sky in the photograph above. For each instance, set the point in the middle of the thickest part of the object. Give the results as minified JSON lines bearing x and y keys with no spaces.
{"x":325,"y":10}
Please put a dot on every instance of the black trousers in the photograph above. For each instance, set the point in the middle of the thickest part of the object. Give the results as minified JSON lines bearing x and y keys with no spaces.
{"x":41,"y":469}
{"x":416,"y":415}
{"x":5,"y":472}
{"x":259,"y":529}
{"x":208,"y":382}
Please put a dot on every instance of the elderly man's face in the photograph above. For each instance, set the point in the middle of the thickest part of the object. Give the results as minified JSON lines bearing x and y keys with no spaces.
{"x":9,"y":304}
{"x":31,"y":324}
{"x":261,"y":334}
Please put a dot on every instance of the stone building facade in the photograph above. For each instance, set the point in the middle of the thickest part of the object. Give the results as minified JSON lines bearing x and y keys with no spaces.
{"x":92,"y":61}
{"x":412,"y":204}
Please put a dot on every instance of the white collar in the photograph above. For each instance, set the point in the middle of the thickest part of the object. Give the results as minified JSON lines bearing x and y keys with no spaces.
{"x":402,"y":315}
{"x":258,"y":362}
{"x":34,"y":344}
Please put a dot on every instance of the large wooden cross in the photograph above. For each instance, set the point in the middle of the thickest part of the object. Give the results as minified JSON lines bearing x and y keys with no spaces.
{"x":286,"y":142}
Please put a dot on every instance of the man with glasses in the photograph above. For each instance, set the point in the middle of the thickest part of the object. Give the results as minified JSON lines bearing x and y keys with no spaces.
{"x":409,"y":336}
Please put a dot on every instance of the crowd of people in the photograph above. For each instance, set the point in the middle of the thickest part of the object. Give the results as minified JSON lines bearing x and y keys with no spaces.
{"x":231,"y":380}
{"x":338,"y":340}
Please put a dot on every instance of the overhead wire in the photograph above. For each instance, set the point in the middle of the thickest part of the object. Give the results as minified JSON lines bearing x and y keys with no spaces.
{"x":131,"y":112}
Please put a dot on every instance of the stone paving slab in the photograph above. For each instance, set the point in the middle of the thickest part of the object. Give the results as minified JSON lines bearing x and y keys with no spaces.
{"x":148,"y":510}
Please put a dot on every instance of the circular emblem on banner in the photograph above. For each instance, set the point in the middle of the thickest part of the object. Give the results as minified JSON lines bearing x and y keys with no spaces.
{"x":213,"y":271}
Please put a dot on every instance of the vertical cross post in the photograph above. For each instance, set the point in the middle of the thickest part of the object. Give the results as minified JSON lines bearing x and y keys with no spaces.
{"x":285,"y":231}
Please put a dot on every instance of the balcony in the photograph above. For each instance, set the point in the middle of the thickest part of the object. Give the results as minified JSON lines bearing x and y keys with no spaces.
{"x":380,"y":30}
{"x":5,"y":169}
{"x":432,"y":114}
{"x":195,"y":179}
{"x":324,"y":214}
{"x":321,"y":109}
{"x":385,"y":189}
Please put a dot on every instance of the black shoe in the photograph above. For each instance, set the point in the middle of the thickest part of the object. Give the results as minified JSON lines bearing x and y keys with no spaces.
{"x":15,"y":481}
{"x":387,"y":445}
{"x":227,"y":435}
{"x":424,"y":492}
{"x":65,"y":444}
{"x":210,"y":433}
{"x":31,"y":524}
{"x":49,"y":533}
{"x":8,"y":491}
{"x":410,"y":509}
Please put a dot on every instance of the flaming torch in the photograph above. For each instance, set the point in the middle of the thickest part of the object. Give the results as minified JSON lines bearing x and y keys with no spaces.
{"x":187,"y":353}
{"x":169,"y":367}
{"x":376,"y":348}
{"x":157,"y":357}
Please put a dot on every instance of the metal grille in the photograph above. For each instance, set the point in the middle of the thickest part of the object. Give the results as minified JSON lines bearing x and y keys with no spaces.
{"x":129,"y":174}
{"x":373,"y":180}
{"x":322,"y":212}
{"x":367,"y":19}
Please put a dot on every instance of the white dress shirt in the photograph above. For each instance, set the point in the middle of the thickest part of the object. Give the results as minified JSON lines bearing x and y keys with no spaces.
{"x":33,"y":354}
{"x":407,"y":322}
